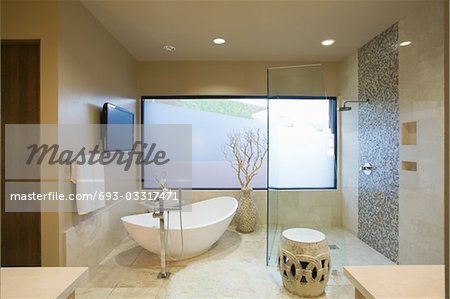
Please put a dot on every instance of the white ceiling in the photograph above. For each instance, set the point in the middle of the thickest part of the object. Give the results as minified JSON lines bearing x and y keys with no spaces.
{"x":254,"y":30}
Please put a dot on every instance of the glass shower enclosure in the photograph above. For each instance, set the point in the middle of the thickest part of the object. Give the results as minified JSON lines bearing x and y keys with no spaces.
{"x":302,"y":153}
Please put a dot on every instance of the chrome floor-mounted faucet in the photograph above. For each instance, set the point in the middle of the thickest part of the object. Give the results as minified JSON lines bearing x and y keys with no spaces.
{"x":159,"y":213}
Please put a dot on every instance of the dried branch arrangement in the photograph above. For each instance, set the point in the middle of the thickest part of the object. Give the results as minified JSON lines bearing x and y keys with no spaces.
{"x":246,"y":151}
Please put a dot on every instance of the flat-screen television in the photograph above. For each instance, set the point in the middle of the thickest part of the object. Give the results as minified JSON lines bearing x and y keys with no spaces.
{"x":117,"y":128}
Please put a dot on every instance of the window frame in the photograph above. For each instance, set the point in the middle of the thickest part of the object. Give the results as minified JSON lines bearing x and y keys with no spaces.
{"x":332,"y":99}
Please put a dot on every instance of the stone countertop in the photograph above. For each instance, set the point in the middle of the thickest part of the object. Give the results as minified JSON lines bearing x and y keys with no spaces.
{"x":41,"y":282}
{"x":404,"y":281}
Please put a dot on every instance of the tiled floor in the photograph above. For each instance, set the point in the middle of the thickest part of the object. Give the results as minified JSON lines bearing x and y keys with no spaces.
{"x":349,"y":250}
{"x":233,"y":268}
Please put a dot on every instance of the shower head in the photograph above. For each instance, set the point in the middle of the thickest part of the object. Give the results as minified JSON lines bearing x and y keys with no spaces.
{"x":346,"y":108}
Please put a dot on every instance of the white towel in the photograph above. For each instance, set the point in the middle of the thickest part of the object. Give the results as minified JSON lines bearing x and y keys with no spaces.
{"x":90,"y":181}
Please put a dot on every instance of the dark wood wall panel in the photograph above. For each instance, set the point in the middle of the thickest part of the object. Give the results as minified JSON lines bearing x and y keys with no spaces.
{"x":20,"y":76}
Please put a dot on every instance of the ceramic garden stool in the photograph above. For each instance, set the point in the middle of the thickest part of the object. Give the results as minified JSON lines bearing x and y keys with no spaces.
{"x":304,"y":261}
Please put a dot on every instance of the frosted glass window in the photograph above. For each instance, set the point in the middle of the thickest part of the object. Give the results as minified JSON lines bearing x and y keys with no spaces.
{"x":301,"y":137}
{"x":302,"y":151}
{"x":212,"y":120}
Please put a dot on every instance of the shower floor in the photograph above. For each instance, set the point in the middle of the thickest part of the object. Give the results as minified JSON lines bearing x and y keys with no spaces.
{"x":233,"y":268}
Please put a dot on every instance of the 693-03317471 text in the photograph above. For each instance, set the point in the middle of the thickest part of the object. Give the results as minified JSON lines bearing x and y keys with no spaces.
{"x":109,"y":196}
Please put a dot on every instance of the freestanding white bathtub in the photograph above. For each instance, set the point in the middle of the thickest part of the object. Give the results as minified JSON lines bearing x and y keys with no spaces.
{"x":203,"y":224}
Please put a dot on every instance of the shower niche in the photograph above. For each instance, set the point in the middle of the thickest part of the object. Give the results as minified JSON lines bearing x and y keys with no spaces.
{"x":409,"y":133}
{"x":408,"y":136}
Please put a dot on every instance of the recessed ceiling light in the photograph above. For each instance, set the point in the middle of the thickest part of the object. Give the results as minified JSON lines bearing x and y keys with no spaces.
{"x":169,"y":48}
{"x":327,"y":42}
{"x":219,"y":41}
{"x":405,"y":43}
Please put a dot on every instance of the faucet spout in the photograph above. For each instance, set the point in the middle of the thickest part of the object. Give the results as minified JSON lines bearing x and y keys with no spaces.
{"x":158,"y":214}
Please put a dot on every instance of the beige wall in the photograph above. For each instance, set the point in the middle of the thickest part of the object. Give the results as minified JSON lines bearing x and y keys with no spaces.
{"x":421,"y":86}
{"x":259,"y":196}
{"x":447,"y":152}
{"x":24,"y":20}
{"x":306,"y":208}
{"x":39,"y":20}
{"x":447,"y":148}
{"x":348,"y":143}
{"x":93,"y":69}
{"x":309,"y":208}
{"x":214,"y":77}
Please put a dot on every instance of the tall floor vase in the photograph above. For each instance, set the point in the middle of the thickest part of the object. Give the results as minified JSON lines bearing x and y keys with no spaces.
{"x":247,"y":212}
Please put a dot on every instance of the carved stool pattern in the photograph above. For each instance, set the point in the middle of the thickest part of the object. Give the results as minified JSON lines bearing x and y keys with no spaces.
{"x":304,"y":261}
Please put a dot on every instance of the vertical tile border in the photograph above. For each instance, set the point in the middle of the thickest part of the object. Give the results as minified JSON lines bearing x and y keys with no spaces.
{"x":378,"y":199}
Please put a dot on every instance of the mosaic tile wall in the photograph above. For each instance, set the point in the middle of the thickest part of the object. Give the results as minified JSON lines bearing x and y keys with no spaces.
{"x":378,"y":204}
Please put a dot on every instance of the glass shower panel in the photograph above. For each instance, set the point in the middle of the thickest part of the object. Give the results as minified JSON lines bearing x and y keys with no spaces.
{"x":290,"y":89}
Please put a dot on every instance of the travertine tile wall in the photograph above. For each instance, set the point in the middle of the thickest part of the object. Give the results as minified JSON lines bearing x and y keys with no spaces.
{"x":309,"y":208}
{"x":260,"y":197}
{"x":421,"y":83}
{"x":92,"y":239}
{"x":305,"y":208}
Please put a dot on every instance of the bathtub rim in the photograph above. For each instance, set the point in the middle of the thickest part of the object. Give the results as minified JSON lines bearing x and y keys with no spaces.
{"x":232,"y":212}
